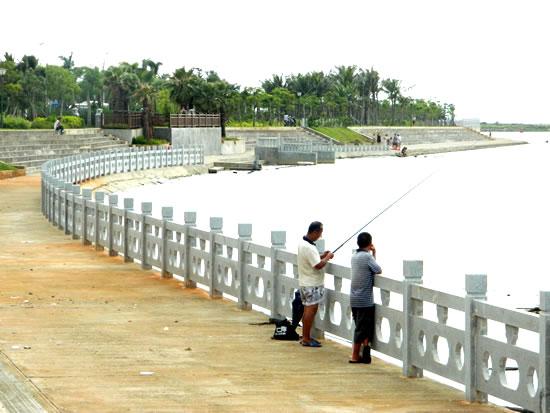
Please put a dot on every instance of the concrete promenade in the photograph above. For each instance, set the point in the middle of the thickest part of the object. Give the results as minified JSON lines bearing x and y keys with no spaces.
{"x":78,"y":328}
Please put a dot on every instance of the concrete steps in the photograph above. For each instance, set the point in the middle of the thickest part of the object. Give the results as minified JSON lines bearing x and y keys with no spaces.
{"x":31,"y":148}
{"x":287,"y":133}
{"x":425,"y":135}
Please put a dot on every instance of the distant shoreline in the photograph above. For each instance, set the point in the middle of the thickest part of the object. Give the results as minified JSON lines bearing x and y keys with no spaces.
{"x":513,"y":127}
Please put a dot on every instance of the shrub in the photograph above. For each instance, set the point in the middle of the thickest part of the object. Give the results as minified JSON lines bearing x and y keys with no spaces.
{"x":42,"y":123}
{"x":68,"y":122}
{"x":116,"y":126}
{"x":72,"y":122}
{"x":14,"y":122}
{"x":141,"y":140}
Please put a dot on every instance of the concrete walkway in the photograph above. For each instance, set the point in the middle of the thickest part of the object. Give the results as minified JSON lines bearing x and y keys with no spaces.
{"x":84,"y":332}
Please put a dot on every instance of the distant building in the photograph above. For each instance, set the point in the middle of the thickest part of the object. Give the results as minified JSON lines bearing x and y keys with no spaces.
{"x":472,"y":123}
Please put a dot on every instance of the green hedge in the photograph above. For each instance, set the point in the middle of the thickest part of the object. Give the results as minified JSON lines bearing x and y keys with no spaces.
{"x":68,"y":122}
{"x":14,"y":122}
{"x":141,"y":140}
{"x":42,"y":123}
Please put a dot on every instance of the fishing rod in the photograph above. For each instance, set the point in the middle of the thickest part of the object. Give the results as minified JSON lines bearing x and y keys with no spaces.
{"x":388,"y":207}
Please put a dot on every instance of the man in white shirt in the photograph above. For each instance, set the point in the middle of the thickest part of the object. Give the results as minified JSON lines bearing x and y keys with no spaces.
{"x":58,"y":127}
{"x":311,"y":279}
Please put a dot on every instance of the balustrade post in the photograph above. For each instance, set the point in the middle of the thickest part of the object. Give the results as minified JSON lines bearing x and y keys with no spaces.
{"x":190,"y":219}
{"x":99,"y":197}
{"x":216,"y":225}
{"x":167,"y":235}
{"x":128,"y":207}
{"x":76,"y":192}
{"x":544,"y":352}
{"x":278,"y":241}
{"x":476,"y":289}
{"x":113,"y":202}
{"x":412,"y":273}
{"x":67,"y":187}
{"x":245,"y":258}
{"x":146,"y":211}
{"x":58,"y":189}
{"x":51,"y":199}
{"x":86,"y":196}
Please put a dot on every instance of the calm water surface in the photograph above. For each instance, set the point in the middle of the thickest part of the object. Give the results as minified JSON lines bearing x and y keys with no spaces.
{"x":482,"y":212}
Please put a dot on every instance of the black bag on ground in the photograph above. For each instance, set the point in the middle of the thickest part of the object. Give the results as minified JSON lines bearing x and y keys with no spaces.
{"x":284,"y":331}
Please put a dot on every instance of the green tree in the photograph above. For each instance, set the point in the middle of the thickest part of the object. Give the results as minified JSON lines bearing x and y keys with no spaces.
{"x":91,"y":84}
{"x":121,"y":81}
{"x":392,"y":87}
{"x":60,"y":85}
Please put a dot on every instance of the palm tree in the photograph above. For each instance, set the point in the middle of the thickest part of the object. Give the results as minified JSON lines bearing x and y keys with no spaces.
{"x":393,"y":89}
{"x":91,"y":84}
{"x":373,"y":80}
{"x":122,"y":81}
{"x":345,"y":86}
{"x":276,"y":81}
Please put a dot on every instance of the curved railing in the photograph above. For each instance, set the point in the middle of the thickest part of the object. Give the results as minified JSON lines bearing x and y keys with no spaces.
{"x":426,"y":329}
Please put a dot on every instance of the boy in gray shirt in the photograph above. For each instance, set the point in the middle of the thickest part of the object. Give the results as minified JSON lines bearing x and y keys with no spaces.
{"x":363,"y":269}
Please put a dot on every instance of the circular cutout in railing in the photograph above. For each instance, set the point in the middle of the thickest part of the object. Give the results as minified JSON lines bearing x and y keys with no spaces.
{"x":487,"y":366}
{"x":322,"y":310}
{"x":335,"y":313}
{"x":532,"y":381}
{"x":508,"y":373}
{"x":228,"y":279}
{"x":236,"y":280}
{"x":440,"y":350}
{"x":348,"y":318}
{"x":459,"y":356}
{"x":259,"y":287}
{"x":421,"y":344}
{"x":398,"y":335}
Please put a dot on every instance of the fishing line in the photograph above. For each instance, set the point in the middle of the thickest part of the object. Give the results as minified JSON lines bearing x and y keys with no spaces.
{"x":388,"y":207}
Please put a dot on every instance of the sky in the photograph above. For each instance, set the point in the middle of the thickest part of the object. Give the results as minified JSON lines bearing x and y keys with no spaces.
{"x":488,"y":58}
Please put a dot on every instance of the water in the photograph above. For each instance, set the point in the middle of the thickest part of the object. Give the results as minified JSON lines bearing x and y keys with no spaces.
{"x":483,"y":212}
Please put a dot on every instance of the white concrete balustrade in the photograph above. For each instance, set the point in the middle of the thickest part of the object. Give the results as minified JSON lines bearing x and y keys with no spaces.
{"x":266,"y":276}
{"x":316,"y":146}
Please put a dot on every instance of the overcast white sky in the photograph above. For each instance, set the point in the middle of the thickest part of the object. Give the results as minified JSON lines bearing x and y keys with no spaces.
{"x":489,"y":58}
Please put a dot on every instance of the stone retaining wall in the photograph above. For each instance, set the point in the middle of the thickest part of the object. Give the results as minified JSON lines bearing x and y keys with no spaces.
{"x":13,"y":174}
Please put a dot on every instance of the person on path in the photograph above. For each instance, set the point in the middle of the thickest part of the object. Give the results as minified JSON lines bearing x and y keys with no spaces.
{"x":363,"y":269}
{"x":58,"y":127}
{"x":311,"y":279}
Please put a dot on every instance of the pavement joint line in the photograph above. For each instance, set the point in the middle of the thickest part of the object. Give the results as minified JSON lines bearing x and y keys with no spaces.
{"x":20,"y":388}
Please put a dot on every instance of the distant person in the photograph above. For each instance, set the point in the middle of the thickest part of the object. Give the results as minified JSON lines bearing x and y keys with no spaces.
{"x":489,"y":134}
{"x":311,"y":279}
{"x":394,"y":141}
{"x":398,"y":141}
{"x":285,"y":120}
{"x":363,"y":269}
{"x":404,"y":152}
{"x":378,"y":138}
{"x":58,"y":127}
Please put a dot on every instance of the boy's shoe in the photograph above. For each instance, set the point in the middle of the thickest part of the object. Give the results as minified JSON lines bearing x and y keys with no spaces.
{"x":366,"y":355}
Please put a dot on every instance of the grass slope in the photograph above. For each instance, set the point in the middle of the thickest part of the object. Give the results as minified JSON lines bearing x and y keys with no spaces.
{"x":344,"y":135}
{"x":6,"y":167}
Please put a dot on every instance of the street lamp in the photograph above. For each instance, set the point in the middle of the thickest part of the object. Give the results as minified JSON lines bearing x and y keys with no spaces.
{"x":2,"y":74}
{"x":298,"y":103}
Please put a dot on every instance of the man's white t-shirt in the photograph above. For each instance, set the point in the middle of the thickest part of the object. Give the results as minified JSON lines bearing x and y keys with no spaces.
{"x":308,"y":258}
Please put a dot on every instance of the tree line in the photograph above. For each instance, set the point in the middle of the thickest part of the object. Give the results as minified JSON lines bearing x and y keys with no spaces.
{"x":345,"y":96}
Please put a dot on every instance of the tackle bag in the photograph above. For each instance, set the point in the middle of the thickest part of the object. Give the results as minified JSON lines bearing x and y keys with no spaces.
{"x":284,"y":331}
